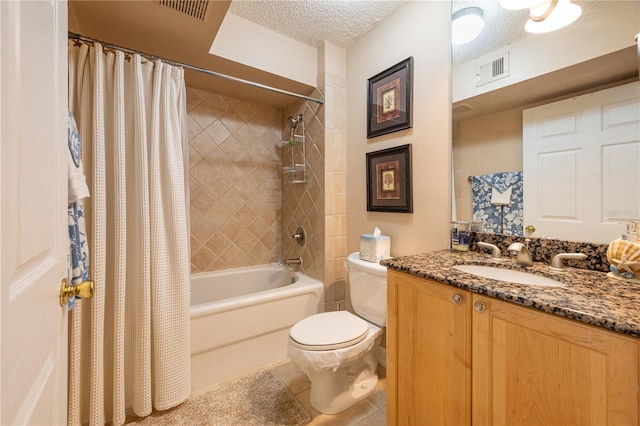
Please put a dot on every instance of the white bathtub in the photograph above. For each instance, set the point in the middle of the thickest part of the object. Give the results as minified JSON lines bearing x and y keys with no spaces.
{"x":240,"y":318}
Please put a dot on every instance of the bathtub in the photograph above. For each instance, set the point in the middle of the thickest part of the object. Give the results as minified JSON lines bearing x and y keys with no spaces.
{"x":240,"y":318}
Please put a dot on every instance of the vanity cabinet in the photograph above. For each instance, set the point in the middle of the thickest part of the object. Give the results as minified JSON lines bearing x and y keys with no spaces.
{"x":532,"y":367}
{"x":428,"y":352}
{"x":484,"y":361}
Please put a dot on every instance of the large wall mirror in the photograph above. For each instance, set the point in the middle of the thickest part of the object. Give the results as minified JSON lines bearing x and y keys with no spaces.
{"x":506,"y":72}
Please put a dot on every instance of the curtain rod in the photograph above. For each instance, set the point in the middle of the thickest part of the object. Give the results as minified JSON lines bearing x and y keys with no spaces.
{"x":75,"y":36}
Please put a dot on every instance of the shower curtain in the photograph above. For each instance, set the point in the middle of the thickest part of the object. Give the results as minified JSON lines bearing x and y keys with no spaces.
{"x":129,"y":345}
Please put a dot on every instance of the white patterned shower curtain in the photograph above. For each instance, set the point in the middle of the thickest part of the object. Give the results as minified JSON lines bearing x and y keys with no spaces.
{"x":129,"y":345}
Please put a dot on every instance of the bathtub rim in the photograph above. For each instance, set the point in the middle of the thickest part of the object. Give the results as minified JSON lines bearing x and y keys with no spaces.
{"x":304,"y":284}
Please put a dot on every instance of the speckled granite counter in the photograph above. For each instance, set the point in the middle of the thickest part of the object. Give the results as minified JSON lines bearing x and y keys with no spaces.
{"x":590,"y":296}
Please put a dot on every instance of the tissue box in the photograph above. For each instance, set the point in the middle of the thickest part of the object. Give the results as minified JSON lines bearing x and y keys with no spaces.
{"x":374,"y":248}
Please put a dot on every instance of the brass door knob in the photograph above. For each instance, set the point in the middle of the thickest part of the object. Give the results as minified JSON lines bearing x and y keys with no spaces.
{"x":84,"y":290}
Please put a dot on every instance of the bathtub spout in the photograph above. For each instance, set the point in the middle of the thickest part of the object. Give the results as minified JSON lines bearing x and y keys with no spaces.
{"x":287,"y":262}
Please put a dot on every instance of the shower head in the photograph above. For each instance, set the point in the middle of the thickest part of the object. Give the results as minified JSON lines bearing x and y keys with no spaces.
{"x":294,"y":120}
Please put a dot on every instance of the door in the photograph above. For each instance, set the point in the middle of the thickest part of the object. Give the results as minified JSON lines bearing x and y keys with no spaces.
{"x":34,"y":240}
{"x":580,"y":163}
{"x":534,"y":368}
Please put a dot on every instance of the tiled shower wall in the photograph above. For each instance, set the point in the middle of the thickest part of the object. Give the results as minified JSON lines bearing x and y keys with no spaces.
{"x":320,"y":204}
{"x":303,"y":204}
{"x":234,"y":181}
{"x":242,"y":212}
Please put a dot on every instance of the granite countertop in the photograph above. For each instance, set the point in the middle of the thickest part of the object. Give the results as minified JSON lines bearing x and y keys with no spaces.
{"x":590,"y":296}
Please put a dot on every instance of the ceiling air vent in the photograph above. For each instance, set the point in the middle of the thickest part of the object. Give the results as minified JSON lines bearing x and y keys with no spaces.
{"x":492,"y":69}
{"x":193,"y":8}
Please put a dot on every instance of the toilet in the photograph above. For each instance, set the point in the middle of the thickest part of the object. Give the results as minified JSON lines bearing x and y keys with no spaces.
{"x":338,"y":351}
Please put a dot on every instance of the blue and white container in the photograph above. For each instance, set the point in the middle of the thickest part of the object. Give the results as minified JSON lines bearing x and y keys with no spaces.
{"x":460,"y":231}
{"x":374,"y":247}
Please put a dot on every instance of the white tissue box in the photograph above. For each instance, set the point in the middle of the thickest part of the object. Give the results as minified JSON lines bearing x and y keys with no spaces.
{"x":374,"y":248}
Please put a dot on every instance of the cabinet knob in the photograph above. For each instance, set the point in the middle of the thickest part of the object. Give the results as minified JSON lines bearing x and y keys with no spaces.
{"x":480,"y":306}
{"x":456,"y":298}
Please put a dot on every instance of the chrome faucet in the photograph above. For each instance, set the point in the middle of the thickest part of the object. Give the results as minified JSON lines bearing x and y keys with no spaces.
{"x":287,"y":262}
{"x":524,"y":256}
{"x":557,"y":263}
{"x":495,"y":251}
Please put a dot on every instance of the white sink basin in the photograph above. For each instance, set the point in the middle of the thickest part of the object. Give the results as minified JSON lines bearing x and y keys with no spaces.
{"x":508,"y":275}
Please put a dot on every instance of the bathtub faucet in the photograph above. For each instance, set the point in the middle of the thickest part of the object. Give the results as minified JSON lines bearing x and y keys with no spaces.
{"x":286,"y":262}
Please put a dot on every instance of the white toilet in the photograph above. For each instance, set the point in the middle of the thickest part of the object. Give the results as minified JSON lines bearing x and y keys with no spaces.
{"x":338,"y":351}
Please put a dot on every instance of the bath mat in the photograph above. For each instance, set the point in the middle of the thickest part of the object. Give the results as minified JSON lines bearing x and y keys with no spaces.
{"x":258,"y":398}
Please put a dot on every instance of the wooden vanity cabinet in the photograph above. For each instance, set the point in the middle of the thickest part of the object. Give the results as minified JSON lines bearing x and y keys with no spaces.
{"x":456,"y":358}
{"x":428,"y":352}
{"x":535,"y":368}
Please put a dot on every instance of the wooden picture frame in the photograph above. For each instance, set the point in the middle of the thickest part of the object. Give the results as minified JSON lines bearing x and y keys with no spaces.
{"x":389,"y":99}
{"x":389,"y":180}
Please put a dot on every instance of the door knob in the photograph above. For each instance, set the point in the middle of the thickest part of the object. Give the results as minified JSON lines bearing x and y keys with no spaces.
{"x":84,"y":290}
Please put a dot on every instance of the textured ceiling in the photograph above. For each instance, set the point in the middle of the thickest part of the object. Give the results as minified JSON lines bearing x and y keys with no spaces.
{"x":342,"y":22}
{"x":314,"y":21}
{"x":501,"y":27}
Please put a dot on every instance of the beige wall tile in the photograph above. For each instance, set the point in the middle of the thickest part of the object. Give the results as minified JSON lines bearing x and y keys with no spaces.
{"x":234,"y":181}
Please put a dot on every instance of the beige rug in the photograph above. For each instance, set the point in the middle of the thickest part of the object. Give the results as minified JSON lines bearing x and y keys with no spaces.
{"x":258,"y":398}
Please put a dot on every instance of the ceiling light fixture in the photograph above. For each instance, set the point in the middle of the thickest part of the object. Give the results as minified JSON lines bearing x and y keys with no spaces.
{"x":466,"y":24}
{"x":551,"y":16}
{"x":545,"y":15}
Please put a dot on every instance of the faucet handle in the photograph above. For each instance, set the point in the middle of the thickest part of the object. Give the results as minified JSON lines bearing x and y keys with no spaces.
{"x":300,"y":236}
{"x":515,"y":247}
{"x":495,"y":251}
{"x":557,"y":263}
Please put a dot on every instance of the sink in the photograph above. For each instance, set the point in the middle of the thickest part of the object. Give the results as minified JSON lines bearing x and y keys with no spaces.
{"x":509,"y":275}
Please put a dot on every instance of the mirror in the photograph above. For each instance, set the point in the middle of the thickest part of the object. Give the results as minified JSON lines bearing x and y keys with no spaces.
{"x":540,"y":69}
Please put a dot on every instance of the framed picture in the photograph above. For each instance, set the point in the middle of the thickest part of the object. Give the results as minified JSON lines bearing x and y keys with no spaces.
{"x":389,"y":180}
{"x":389,"y":99}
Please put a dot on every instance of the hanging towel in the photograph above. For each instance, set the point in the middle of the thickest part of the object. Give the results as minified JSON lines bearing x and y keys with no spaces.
{"x":498,"y":218}
{"x":499,"y":198}
{"x":78,"y":189}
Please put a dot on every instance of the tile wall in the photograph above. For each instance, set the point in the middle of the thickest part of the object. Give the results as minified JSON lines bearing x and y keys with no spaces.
{"x":243,"y":212}
{"x":234,"y":181}
{"x":303,"y":204}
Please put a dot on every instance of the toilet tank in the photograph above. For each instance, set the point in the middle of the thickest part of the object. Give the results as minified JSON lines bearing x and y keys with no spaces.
{"x":368,"y":289}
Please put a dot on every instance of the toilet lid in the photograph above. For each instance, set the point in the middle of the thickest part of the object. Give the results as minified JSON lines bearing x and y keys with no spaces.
{"x":329,"y":330}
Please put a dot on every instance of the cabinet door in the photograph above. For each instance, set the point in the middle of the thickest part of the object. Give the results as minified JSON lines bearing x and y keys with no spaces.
{"x":534,"y":368}
{"x":428,"y":352}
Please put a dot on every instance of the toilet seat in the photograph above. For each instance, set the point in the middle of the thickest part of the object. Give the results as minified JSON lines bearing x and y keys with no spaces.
{"x":328,"y":330}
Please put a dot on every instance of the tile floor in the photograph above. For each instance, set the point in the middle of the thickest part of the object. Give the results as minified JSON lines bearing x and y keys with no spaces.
{"x":369,"y":412}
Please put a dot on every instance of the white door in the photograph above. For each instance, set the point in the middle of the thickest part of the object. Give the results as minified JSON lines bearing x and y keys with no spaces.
{"x":34,"y":236}
{"x":581,"y":161}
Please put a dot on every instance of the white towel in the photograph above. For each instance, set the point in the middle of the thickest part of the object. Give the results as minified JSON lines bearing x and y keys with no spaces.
{"x":501,"y":198}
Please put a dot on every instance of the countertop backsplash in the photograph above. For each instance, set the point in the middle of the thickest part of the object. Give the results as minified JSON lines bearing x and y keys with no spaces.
{"x":543,"y":249}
